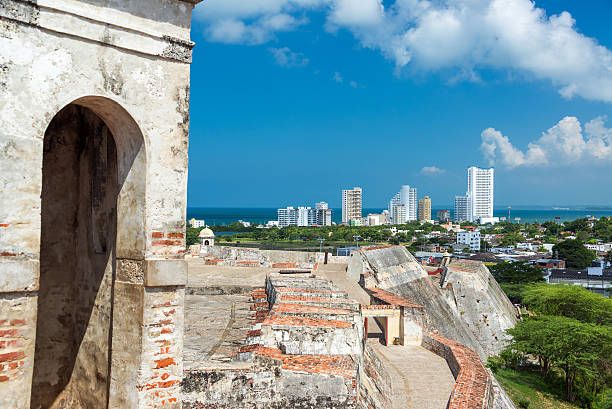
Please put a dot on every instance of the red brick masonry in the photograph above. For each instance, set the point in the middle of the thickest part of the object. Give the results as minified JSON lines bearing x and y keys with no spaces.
{"x":389,"y":298}
{"x":473,"y":387}
{"x":282,"y":320}
{"x":340,"y":365}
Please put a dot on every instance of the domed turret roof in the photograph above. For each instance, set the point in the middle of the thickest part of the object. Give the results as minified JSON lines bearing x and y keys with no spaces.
{"x":207,"y":233}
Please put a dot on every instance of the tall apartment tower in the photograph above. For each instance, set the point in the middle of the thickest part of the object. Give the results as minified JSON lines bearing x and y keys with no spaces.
{"x":408,"y":197}
{"x":424,"y":209}
{"x":463,"y":208}
{"x":323,"y":214}
{"x":480,"y":190}
{"x":351,"y":204}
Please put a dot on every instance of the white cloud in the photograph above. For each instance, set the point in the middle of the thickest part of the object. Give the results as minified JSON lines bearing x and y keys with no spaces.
{"x":563,"y":144}
{"x":353,"y":84}
{"x":432,"y":171}
{"x":338,"y":77}
{"x":287,"y":58}
{"x":357,"y":13}
{"x":462,"y":35}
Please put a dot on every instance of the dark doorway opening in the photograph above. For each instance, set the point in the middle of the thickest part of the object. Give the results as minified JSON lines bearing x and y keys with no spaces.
{"x":77,"y":262}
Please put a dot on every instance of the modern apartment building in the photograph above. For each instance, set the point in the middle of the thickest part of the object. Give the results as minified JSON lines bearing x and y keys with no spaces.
{"x":398,"y":214}
{"x":321,"y":215}
{"x":287,"y":217}
{"x":351,"y":204}
{"x":470,"y":239}
{"x":463,"y":208}
{"x":443,"y":215}
{"x":424,"y":209}
{"x":480,"y":190}
{"x":406,"y":198}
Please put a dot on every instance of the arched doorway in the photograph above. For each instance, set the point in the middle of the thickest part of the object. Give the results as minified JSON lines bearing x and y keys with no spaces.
{"x":91,"y":215}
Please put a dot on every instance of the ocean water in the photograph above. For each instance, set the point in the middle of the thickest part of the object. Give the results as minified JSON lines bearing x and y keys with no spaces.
{"x":228,"y":215}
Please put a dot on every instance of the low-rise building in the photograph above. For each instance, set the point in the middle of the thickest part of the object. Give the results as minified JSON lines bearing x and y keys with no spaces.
{"x":550,"y":263}
{"x":375,"y":219}
{"x":599,"y":283}
{"x":470,"y":239}
{"x":197,"y":223}
{"x":599,"y":247}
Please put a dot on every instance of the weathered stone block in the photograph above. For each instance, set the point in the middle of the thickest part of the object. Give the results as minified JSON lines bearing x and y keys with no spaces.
{"x":161,"y":273}
{"x":18,"y":275}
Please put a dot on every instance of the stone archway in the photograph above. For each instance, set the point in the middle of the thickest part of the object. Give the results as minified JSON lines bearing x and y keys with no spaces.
{"x":92,"y":224}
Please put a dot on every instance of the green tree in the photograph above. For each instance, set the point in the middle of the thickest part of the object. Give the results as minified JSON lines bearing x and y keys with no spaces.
{"x":516,"y":273}
{"x":574,"y":253}
{"x":191,"y":236}
{"x":572,"y":346}
{"x":569,"y":301}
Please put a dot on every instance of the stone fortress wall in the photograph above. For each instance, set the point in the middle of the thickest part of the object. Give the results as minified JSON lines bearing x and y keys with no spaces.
{"x":303,"y":322}
{"x":305,"y":349}
{"x":94,"y":127}
{"x":254,"y":257}
{"x":447,"y":331}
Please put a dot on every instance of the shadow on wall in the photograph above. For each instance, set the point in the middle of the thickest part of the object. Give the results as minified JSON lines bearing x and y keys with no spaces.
{"x":78,"y":235}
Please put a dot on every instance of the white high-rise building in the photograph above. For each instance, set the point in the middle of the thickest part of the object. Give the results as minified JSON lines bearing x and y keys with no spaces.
{"x":351,"y":204}
{"x":287,"y":217}
{"x":398,"y":214}
{"x":463,"y":208}
{"x":407,"y":199}
{"x":480,"y":191}
{"x":305,"y":216}
{"x":323,"y":214}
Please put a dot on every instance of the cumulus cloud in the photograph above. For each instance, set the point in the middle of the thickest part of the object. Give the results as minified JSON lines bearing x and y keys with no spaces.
{"x":462,"y":35}
{"x":563,"y":144}
{"x":287,"y":58}
{"x":338,"y":77}
{"x":432,"y":171}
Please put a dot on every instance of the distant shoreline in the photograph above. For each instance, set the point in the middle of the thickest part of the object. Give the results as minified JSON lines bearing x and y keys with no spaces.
{"x":261,"y":215}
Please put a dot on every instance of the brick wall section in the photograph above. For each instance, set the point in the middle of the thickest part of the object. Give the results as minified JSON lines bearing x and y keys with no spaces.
{"x":17,"y":342}
{"x":12,"y":352}
{"x":379,"y":307}
{"x":307,"y":298}
{"x":296,"y":311}
{"x":280,"y":308}
{"x":284,"y":265}
{"x":161,"y":372}
{"x":280,"y":320}
{"x":340,"y":365}
{"x":473,"y":385}
{"x":387,"y":297}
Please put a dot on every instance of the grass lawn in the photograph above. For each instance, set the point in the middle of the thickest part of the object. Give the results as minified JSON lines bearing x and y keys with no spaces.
{"x":528,"y":386}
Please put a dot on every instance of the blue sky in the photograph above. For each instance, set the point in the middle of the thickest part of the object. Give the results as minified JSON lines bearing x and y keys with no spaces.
{"x":293,"y":100}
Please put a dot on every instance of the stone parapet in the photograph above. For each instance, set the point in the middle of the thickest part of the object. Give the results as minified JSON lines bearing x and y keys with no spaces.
{"x":473,"y":384}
